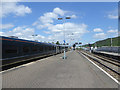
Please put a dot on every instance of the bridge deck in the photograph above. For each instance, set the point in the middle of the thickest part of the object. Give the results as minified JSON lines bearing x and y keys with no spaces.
{"x":54,"y":72}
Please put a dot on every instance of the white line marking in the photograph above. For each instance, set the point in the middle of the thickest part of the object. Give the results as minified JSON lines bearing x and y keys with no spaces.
{"x":102,"y":70}
{"x":29,"y":63}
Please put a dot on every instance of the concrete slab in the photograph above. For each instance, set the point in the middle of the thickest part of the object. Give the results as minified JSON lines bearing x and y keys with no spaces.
{"x":55,"y":72}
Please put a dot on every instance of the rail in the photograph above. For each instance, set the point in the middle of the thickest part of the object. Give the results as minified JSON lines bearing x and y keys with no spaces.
{"x":99,"y":60}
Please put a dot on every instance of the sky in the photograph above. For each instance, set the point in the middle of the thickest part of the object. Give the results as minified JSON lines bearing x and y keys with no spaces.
{"x":88,"y":23}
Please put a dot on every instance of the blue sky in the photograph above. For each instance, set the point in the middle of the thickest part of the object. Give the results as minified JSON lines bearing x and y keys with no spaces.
{"x":90,"y":21}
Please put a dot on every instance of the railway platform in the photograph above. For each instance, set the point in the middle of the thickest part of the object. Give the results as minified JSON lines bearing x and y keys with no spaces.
{"x":54,"y":72}
{"x":108,"y":53}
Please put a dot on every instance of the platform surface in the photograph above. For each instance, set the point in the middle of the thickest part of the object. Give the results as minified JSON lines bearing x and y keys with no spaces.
{"x":109,"y":53}
{"x":54,"y":72}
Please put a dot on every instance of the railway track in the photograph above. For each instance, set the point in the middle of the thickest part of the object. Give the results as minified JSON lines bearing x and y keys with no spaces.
{"x":108,"y":64}
{"x":110,"y":58}
{"x":106,"y":59}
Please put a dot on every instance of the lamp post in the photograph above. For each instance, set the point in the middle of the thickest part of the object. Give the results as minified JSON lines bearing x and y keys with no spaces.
{"x":71,"y":38}
{"x":64,"y":57}
{"x":34,"y":37}
{"x":111,"y":42}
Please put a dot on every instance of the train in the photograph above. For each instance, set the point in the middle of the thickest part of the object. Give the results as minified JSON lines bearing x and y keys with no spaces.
{"x":16,"y":50}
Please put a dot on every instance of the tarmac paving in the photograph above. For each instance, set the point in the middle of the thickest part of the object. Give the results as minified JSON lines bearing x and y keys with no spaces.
{"x":55,"y":72}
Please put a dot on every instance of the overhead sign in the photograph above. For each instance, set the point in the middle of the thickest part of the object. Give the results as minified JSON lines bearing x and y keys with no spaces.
{"x":67,"y":17}
{"x":60,"y":18}
{"x":64,"y":41}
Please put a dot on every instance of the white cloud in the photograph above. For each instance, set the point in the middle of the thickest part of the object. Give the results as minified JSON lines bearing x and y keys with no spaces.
{"x":13,"y":8}
{"x":48,"y":18}
{"x":100,"y":35}
{"x":73,"y":16}
{"x":23,"y":33}
{"x":6,"y":26}
{"x":113,"y":14}
{"x":112,"y":31}
{"x":1,"y":33}
{"x":97,"y":30}
{"x":46,"y":32}
{"x":59,"y":11}
{"x":55,"y":28}
{"x":56,"y":31}
{"x":72,"y":30}
{"x":39,"y":38}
